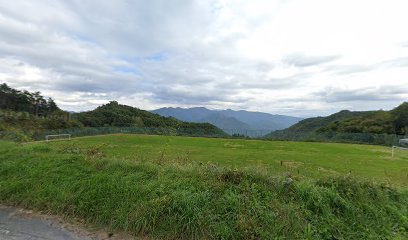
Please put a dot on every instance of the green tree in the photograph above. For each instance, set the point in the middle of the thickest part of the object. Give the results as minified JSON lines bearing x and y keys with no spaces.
{"x":400,"y":118}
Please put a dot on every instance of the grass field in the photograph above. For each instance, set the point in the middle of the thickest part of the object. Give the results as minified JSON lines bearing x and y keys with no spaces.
{"x":302,"y":159}
{"x":181,"y":187}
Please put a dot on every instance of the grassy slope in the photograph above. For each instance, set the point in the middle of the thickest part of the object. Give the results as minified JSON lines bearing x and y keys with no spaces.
{"x":176,"y":187}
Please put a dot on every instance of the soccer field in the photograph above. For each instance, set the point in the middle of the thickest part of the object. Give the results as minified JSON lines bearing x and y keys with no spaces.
{"x":301,"y":159}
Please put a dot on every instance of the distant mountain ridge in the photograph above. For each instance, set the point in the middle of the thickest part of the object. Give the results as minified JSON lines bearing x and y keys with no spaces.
{"x":240,"y":122}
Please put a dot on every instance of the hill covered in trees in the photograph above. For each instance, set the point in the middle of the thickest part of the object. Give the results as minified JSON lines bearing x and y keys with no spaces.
{"x":26,"y":113}
{"x":118,"y":115}
{"x":390,"y":122}
{"x":394,"y":121}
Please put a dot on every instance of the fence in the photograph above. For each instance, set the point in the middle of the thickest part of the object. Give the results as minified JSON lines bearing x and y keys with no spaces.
{"x":36,"y":135}
{"x":361,"y":138}
{"x":253,"y":133}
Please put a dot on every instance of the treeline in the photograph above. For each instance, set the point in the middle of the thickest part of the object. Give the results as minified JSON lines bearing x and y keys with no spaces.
{"x":24,"y":111}
{"x":25,"y":115}
{"x":25,"y":101}
{"x":338,"y":137}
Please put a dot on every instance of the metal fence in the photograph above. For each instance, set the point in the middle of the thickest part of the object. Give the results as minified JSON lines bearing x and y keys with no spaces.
{"x":36,"y":135}
{"x":253,"y":133}
{"x":361,"y":138}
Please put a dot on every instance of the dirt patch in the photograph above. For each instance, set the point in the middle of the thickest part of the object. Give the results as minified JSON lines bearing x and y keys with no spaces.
{"x":325,"y":170}
{"x":291,"y":164}
{"x":233,"y":145}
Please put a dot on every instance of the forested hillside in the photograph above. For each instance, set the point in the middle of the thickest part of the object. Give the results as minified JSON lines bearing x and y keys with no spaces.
{"x":390,"y":122}
{"x":115,"y":114}
{"x":313,"y":124}
{"x":394,"y":121}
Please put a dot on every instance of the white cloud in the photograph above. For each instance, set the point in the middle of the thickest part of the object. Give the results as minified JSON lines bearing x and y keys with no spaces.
{"x":266,"y":55}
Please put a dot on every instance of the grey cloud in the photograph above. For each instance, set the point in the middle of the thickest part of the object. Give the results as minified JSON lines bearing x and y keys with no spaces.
{"x":141,"y":27}
{"x":382,"y":93}
{"x":266,"y":83}
{"x":398,"y":62}
{"x":82,"y":66}
{"x":349,"y":69}
{"x":206,"y":81}
{"x":125,"y":27}
{"x":301,"y":60}
{"x":186,"y":96}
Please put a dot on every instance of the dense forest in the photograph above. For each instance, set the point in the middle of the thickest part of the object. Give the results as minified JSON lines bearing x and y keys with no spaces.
{"x":27,"y":113}
{"x":315,"y":123}
{"x":390,"y":122}
{"x":24,"y":101}
{"x":394,"y":121}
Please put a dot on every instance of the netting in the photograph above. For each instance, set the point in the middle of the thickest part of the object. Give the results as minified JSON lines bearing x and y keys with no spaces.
{"x":36,"y":135}
{"x":364,"y":138}
{"x":360,"y":138}
{"x":404,"y":141}
{"x":55,"y":137}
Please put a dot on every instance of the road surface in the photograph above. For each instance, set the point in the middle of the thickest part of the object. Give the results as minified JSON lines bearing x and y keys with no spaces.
{"x":16,"y":224}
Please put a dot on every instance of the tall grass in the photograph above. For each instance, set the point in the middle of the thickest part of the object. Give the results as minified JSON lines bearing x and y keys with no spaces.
{"x":180,"y":199}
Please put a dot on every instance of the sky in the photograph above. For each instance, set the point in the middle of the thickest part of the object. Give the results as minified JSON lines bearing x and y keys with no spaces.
{"x":294,"y":57}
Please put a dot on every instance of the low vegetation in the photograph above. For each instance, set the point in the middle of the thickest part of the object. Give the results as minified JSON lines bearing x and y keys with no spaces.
{"x":179,"y":187}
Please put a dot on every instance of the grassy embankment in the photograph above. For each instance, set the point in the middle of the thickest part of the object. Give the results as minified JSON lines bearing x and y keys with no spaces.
{"x":179,"y":187}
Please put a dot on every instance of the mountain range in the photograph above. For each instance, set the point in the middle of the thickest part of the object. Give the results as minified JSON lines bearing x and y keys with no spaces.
{"x":233,"y":122}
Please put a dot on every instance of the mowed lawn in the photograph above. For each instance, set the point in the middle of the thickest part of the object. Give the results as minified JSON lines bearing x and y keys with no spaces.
{"x":300,"y":159}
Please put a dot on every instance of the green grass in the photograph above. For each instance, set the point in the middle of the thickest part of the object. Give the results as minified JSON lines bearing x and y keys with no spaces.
{"x":180,"y":187}
{"x":302,"y":159}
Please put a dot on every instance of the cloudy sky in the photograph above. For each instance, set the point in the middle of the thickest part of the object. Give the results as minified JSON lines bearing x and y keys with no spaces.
{"x":296,"y":57}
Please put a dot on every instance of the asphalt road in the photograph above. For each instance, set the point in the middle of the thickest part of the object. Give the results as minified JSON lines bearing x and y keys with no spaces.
{"x":15,"y":225}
